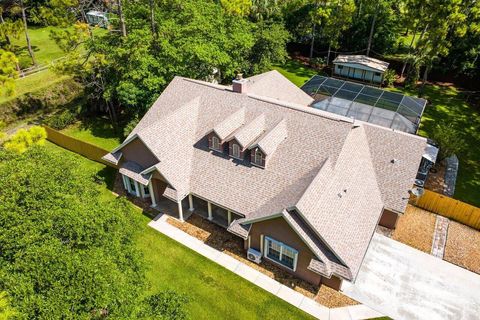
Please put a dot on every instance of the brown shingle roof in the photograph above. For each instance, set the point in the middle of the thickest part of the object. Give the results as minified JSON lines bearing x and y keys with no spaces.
{"x":230,"y":124}
{"x":320,"y":157}
{"x":270,"y":140}
{"x":249,"y":132}
{"x":133,"y":170}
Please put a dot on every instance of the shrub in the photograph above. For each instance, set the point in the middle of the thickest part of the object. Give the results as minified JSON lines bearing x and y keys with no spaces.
{"x":389,"y":77}
{"x":62,"y":120}
{"x":448,"y":140}
{"x":130,"y":125}
{"x":23,"y":139}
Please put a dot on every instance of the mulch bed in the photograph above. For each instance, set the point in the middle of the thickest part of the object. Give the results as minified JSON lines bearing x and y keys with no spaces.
{"x":415,"y":228}
{"x":463,"y":246}
{"x":436,"y":180}
{"x":220,"y":239}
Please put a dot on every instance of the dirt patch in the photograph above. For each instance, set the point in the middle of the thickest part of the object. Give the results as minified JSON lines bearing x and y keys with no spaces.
{"x":415,"y":228}
{"x":463,"y":246}
{"x":436,"y":178}
{"x":218,"y":238}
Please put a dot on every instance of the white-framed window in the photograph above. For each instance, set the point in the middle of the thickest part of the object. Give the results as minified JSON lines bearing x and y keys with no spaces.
{"x":146,"y":191}
{"x":215,"y":143}
{"x":235,"y":150}
{"x":131,"y":186}
{"x":258,"y":157}
{"x":281,"y":253}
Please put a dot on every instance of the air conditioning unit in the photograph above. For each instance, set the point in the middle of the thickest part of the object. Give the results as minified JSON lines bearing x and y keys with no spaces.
{"x":254,"y":255}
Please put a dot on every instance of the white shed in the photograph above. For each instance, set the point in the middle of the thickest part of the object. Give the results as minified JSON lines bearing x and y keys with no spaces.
{"x":97,"y":18}
{"x":360,"y":67}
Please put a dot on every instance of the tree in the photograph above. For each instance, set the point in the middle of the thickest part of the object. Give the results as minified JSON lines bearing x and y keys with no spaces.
{"x":23,"y":139}
{"x":237,"y":7}
{"x":65,"y":251}
{"x":6,"y":311}
{"x":446,"y":135}
{"x":8,"y":72}
{"x":339,"y":19}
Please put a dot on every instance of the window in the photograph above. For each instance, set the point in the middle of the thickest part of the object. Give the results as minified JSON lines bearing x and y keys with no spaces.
{"x":146,"y":191}
{"x":378,"y":74}
{"x":281,"y":253}
{"x":215,"y":143}
{"x":131,"y":184}
{"x":235,"y":150}
{"x":340,"y":67}
{"x":258,"y":157}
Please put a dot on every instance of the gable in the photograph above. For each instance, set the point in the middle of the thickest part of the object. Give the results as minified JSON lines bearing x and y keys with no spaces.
{"x":138,"y":152}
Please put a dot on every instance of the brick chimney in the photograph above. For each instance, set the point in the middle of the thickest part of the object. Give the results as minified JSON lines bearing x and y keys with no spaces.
{"x":239,"y":84}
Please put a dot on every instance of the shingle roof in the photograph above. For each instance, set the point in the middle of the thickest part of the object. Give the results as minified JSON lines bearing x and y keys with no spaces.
{"x":113,"y":157}
{"x":363,"y":60}
{"x":133,"y":170}
{"x":272,"y":84}
{"x":230,"y":124}
{"x":270,"y":140}
{"x":321,"y":156}
{"x":250,"y":131}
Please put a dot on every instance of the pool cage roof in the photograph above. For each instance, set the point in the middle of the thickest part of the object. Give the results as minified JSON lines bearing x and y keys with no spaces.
{"x":365,"y":103}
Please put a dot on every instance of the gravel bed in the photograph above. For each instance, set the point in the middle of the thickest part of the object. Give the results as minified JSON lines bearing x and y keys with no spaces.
{"x":463,"y":246}
{"x":415,"y":228}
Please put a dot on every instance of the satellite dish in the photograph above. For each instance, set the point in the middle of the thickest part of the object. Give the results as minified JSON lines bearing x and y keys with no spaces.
{"x":417,"y":191}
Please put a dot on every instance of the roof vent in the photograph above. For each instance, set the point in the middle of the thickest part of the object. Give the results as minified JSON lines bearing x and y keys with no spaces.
{"x":394,"y":160}
{"x":239,"y":85}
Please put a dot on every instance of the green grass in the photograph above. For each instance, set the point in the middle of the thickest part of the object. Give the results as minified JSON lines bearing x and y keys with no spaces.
{"x":296,"y":72}
{"x":44,"y":48}
{"x":214,"y":292}
{"x":32,"y":83}
{"x":97,"y":131}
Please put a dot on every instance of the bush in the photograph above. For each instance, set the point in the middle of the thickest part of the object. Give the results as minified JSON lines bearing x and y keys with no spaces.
{"x":24,"y":139}
{"x":389,"y":77}
{"x":62,"y":120}
{"x":448,"y":140}
{"x":130,"y":125}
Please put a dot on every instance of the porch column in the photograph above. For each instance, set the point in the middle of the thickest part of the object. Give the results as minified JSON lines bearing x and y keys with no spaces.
{"x":209,"y":205}
{"x":190,"y":202}
{"x":124,"y":182}
{"x":152,"y":195}
{"x":229,"y":217}
{"x":180,"y":211}
{"x":137,"y":188}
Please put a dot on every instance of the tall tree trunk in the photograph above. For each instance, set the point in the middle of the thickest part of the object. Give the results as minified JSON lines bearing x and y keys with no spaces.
{"x":152,"y":17}
{"x":328,"y":53}
{"x":27,"y":37}
{"x":7,"y":38}
{"x":122,"y":18}
{"x":372,"y":27}
{"x":409,"y":50}
{"x":313,"y":41}
{"x":424,"y":80}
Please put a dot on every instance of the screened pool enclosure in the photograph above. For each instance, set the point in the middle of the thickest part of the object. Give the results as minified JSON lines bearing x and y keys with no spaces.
{"x":388,"y":109}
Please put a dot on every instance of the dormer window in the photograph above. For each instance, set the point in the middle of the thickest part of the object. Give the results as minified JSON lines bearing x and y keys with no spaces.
{"x":236,"y":153}
{"x":258,"y":158}
{"x":215,"y":144}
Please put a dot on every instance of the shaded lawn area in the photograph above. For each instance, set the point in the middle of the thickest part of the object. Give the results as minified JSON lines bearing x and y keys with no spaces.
{"x":296,"y":72}
{"x":214,"y":292}
{"x":445,"y":104}
{"x":97,"y":131}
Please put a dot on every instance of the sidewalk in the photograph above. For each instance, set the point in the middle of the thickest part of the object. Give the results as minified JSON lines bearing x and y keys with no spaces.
{"x":357,"y":312}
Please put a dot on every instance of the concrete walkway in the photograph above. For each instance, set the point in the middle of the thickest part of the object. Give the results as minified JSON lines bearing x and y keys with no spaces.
{"x":440,"y":237}
{"x":358,"y":312}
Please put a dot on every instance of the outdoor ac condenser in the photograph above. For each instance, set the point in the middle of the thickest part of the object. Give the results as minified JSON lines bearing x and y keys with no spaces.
{"x":254,"y":255}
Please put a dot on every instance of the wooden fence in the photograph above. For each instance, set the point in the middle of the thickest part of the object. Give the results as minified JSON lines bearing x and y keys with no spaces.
{"x":83,"y":148}
{"x":449,"y":207}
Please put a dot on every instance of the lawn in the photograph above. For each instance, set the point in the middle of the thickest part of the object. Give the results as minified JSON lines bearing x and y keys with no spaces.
{"x":214,"y":292}
{"x":296,"y":72}
{"x":444,"y":104}
{"x":97,"y":131}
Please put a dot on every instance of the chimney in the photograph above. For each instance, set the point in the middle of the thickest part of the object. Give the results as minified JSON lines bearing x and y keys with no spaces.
{"x":239,"y":84}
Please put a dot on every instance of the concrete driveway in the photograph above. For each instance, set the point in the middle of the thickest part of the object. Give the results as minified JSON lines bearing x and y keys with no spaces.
{"x":404,"y":283}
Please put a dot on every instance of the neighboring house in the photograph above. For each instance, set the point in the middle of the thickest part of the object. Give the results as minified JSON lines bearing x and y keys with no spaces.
{"x":304,"y":188}
{"x":359,"y":67}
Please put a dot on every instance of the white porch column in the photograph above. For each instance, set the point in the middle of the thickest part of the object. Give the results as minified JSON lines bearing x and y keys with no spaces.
{"x":190,"y":202}
{"x":124,"y":182}
{"x":209,"y":205}
{"x":229,"y":217}
{"x":180,"y":211}
{"x":152,"y":195}
{"x":137,"y":189}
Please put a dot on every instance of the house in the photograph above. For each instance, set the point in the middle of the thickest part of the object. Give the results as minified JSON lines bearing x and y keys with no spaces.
{"x":302,"y":187}
{"x":360,"y":67}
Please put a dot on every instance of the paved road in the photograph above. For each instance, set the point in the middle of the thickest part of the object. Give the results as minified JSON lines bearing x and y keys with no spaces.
{"x":405,"y":283}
